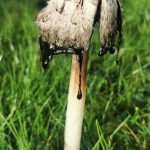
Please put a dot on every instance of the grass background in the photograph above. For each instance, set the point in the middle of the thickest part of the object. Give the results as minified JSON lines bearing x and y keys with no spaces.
{"x":33,"y":101}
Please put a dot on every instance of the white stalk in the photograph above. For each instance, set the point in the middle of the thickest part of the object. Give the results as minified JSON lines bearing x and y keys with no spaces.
{"x":75,"y":107}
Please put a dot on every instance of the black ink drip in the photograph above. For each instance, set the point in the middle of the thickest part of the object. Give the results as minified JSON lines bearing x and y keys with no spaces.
{"x":104,"y":50}
{"x":46,"y":53}
{"x":80,"y":58}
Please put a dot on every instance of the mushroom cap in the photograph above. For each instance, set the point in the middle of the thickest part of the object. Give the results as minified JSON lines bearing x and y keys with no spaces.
{"x":67,"y":25}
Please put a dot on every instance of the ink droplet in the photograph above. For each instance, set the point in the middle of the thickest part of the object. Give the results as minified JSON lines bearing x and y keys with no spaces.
{"x":102,"y":52}
{"x":79,"y":96}
{"x":79,"y":59}
{"x":45,"y":63}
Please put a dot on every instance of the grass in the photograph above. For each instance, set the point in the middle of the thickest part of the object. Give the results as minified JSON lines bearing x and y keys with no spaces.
{"x":33,"y":101}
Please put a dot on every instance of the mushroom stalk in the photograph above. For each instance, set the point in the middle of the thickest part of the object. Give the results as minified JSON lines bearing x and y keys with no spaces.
{"x":75,"y":107}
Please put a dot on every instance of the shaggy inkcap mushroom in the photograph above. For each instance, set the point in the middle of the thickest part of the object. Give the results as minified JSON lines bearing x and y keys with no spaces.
{"x":66,"y":27}
{"x":110,"y":26}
